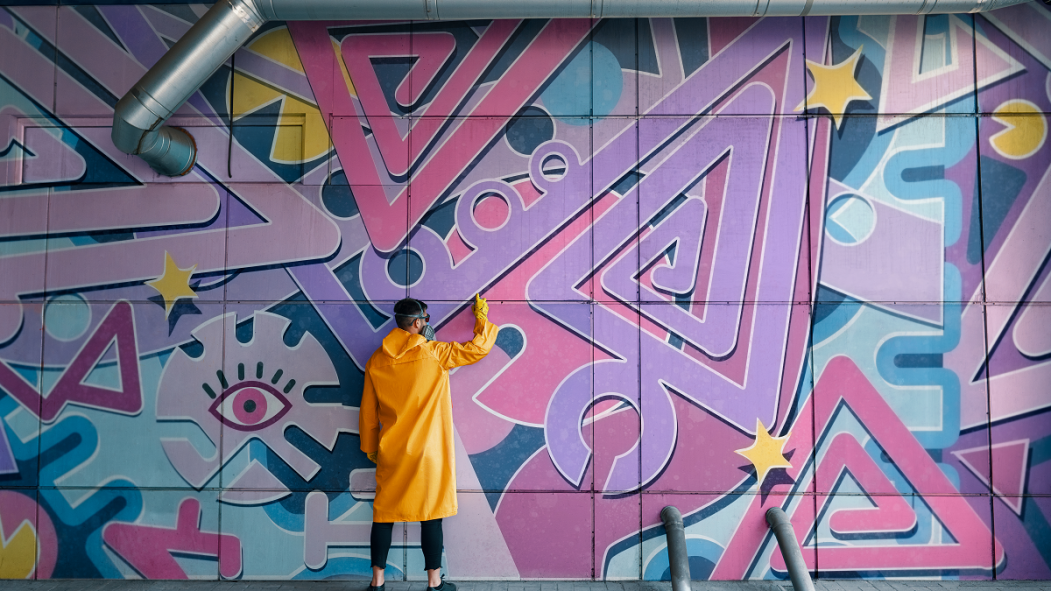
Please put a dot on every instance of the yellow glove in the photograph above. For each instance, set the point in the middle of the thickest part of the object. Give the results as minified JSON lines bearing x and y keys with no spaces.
{"x":372,"y":457}
{"x":480,"y":307}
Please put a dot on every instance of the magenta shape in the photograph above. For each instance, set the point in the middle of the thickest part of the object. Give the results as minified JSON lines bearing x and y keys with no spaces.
{"x":119,"y":326}
{"x":148,"y":549}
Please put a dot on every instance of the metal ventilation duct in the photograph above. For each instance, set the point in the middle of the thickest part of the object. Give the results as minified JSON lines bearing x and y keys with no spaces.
{"x":138,"y":123}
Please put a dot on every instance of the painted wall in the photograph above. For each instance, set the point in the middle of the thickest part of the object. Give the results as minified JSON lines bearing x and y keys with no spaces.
{"x":738,"y":264}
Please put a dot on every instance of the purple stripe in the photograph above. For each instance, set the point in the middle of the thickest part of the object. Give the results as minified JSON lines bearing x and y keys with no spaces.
{"x":275,"y":74}
{"x":137,"y":35}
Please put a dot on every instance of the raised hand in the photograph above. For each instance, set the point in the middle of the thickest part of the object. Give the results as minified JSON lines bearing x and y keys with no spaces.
{"x":480,"y":307}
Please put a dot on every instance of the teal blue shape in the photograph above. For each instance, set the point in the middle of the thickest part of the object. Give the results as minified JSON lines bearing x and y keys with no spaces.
{"x":875,"y":146}
{"x":63,"y":447}
{"x":832,"y":312}
{"x":930,"y":347}
{"x":104,"y":375}
{"x":66,"y":317}
{"x":918,"y":174}
{"x":951,"y":473}
{"x":936,"y":51}
{"x":347,"y":567}
{"x":590,"y":84}
{"x":850,"y":219}
{"x":1001,"y":185}
{"x":703,"y":555}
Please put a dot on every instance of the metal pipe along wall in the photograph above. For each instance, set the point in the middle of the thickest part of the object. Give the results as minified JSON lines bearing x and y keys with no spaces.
{"x":678,"y":557}
{"x":786,"y":541}
{"x":138,"y":122}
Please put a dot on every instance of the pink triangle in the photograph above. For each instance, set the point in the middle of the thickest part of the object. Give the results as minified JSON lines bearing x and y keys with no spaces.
{"x":843,"y":385}
{"x":976,"y":460}
{"x":1011,"y":459}
{"x":891,"y":513}
{"x":117,"y":327}
{"x":432,"y":51}
{"x":458,"y":249}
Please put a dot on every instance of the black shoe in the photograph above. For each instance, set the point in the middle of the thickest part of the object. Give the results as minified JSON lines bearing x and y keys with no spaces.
{"x":445,"y":586}
{"x":380,"y":588}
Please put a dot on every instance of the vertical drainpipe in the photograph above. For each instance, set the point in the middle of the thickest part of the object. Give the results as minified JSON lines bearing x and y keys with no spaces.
{"x":678,"y":556}
{"x":786,"y":541}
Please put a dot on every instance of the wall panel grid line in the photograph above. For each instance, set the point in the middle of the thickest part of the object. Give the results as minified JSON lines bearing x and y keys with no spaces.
{"x":732,"y":264}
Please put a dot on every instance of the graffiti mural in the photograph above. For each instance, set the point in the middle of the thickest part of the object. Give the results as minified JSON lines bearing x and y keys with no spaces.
{"x":736,"y":263}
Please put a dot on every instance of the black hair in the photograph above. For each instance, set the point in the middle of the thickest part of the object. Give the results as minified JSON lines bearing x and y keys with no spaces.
{"x":408,"y":311}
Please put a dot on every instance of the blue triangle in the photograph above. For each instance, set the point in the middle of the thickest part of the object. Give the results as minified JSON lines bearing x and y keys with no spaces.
{"x":1000,"y":185}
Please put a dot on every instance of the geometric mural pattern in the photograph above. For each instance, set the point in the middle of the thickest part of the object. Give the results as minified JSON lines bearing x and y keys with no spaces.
{"x":736,"y":264}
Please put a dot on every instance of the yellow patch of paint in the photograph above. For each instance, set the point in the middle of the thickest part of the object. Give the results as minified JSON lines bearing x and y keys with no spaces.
{"x":277,"y":45}
{"x":766,"y":452}
{"x":173,"y":284}
{"x":834,"y":87}
{"x":18,"y":552}
{"x":301,"y":134}
{"x":1025,"y":129}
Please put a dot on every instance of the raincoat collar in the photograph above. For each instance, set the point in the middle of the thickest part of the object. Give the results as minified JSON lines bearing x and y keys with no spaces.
{"x":398,"y":342}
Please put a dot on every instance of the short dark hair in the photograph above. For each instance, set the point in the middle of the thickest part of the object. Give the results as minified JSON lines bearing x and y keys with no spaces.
{"x":406,"y":312}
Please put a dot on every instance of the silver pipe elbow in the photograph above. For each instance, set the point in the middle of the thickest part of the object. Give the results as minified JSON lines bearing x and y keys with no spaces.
{"x":170,"y":151}
{"x":786,"y":541}
{"x":678,"y":555}
{"x":138,"y":120}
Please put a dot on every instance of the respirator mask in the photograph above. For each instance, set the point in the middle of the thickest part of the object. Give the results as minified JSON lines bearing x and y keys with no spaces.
{"x":428,"y":330}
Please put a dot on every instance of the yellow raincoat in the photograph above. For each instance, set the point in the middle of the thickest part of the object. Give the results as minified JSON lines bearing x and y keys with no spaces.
{"x":406,"y":416}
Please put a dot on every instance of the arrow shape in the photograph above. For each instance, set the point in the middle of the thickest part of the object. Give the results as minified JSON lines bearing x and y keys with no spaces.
{"x":148,"y":548}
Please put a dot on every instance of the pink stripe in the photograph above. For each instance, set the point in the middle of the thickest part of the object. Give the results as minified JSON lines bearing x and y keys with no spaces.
{"x":843,"y":382}
{"x":389,"y":222}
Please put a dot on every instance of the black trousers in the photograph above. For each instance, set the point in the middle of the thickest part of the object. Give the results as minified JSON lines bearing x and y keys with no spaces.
{"x":430,"y":539}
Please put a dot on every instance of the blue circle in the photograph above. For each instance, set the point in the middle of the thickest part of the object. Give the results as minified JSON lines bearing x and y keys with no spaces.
{"x":66,"y":317}
{"x":704,"y":555}
{"x":511,"y":340}
{"x":529,"y":128}
{"x":849,"y":219}
{"x":405,"y":268}
{"x":594,"y":72}
{"x":338,"y":198}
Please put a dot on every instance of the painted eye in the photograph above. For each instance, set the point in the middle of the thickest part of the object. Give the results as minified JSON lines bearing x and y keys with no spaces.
{"x":250,"y":406}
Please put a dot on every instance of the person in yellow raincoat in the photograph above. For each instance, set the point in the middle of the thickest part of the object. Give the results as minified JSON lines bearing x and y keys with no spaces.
{"x":406,"y":427}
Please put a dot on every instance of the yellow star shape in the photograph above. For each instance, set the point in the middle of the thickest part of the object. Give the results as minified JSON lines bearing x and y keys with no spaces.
{"x":834,"y":87}
{"x":766,"y":453}
{"x":174,"y":284}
